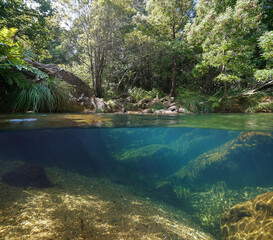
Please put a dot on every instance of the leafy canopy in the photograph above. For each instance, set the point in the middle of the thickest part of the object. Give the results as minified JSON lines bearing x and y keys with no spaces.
{"x":227,"y":37}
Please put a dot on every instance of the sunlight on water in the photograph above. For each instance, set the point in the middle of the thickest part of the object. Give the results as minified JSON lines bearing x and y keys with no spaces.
{"x":240,"y":122}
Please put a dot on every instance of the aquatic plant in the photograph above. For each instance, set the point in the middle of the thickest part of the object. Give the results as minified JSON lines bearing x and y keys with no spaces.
{"x":182,"y":192}
{"x":136,"y":154}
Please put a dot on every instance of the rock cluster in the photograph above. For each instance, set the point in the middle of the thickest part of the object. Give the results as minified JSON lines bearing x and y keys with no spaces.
{"x":249,"y":220}
{"x":82,"y":96}
{"x":165,"y":105}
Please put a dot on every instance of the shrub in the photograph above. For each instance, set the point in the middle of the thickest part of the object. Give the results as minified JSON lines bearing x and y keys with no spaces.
{"x":29,"y":88}
{"x":139,"y":93}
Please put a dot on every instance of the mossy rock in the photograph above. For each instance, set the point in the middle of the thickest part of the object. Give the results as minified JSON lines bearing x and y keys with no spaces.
{"x":245,"y":161}
{"x":151,"y":159}
{"x":249,"y":220}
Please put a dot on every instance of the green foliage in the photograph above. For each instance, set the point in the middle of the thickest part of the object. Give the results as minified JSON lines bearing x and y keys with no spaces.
{"x":11,"y":57}
{"x":32,"y":89}
{"x":31,"y":20}
{"x":227,"y":37}
{"x":121,"y":46}
{"x":266,"y":44}
{"x":215,"y":102}
{"x":260,"y":102}
{"x":168,"y":17}
{"x":265,"y":107}
{"x":193,"y":100}
{"x":157,"y":106}
{"x":30,"y":98}
{"x":264,"y":75}
{"x":267,"y":14}
{"x":46,"y":96}
{"x":97,"y":37}
{"x":139,"y":93}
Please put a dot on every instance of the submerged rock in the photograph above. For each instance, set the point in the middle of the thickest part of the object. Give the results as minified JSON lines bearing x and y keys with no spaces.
{"x":28,"y":175}
{"x":249,"y":220}
{"x":238,"y":163}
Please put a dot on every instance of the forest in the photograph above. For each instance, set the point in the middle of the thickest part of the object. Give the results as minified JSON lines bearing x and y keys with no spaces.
{"x":209,"y":55}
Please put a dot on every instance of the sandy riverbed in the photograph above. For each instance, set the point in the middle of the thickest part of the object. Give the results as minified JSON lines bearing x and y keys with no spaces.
{"x":80,"y":207}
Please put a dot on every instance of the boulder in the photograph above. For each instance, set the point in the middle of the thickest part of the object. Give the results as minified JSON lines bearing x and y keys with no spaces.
{"x":249,"y":220}
{"x":239,"y":163}
{"x":143,"y":103}
{"x":182,"y":110}
{"x":101,"y":105}
{"x":28,"y":175}
{"x":156,"y":100}
{"x":114,"y":106}
{"x":81,"y":92}
{"x":147,"y":110}
{"x":172,"y":108}
{"x":167,"y":104}
{"x":162,"y":111}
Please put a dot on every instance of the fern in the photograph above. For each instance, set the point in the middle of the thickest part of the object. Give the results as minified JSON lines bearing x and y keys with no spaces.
{"x":43,"y":97}
{"x":33,"y":90}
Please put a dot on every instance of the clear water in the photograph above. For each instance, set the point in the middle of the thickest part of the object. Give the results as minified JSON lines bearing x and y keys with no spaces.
{"x":132,"y":177}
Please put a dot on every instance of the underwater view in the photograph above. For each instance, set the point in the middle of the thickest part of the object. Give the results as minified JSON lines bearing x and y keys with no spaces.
{"x":103,"y":176}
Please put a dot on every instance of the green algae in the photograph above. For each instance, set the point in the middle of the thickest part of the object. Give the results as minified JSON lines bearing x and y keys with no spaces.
{"x":226,"y":164}
{"x":140,"y":153}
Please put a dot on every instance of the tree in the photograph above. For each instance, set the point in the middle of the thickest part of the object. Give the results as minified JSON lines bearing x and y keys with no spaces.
{"x":168,"y":19}
{"x":227,"y":36}
{"x":266,"y":44}
{"x":267,"y":16}
{"x":31,"y":22}
{"x":97,"y":34}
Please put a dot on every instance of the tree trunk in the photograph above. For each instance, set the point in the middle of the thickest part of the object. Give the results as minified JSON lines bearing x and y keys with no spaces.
{"x":224,"y":71}
{"x":225,"y":90}
{"x":172,"y":93}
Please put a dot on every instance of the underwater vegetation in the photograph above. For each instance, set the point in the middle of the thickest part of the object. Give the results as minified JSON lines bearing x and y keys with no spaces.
{"x":161,"y":151}
{"x":238,"y":163}
{"x":151,"y":159}
{"x":182,"y":192}
{"x":232,"y":173}
{"x":27,"y":175}
{"x":203,"y":172}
